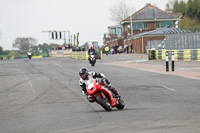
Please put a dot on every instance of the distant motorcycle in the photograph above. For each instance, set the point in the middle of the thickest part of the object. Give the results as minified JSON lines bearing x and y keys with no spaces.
{"x":29,"y":54}
{"x":92,"y":58}
{"x":103,"y":96}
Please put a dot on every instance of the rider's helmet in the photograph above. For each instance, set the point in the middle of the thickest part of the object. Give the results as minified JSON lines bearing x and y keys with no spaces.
{"x":83,"y":72}
{"x":91,"y":47}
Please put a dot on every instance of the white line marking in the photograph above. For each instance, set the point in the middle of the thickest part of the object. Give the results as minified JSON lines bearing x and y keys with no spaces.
{"x":30,"y":84}
{"x":167,"y":88}
{"x":59,"y":65}
{"x":136,"y":61}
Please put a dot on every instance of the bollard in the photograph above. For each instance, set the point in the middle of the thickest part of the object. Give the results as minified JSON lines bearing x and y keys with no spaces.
{"x":167,"y":64}
{"x":172,"y":60}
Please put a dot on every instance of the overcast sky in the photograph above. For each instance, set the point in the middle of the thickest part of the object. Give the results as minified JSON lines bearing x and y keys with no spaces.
{"x":28,"y":18}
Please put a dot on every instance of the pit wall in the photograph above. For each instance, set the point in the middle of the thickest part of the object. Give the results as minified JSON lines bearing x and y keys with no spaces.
{"x":185,"y":55}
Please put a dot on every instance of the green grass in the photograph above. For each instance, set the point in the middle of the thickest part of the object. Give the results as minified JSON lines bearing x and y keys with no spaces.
{"x":3,"y":55}
{"x":25,"y":55}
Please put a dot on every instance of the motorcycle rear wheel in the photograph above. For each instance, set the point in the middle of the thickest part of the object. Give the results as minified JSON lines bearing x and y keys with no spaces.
{"x":104,"y":103}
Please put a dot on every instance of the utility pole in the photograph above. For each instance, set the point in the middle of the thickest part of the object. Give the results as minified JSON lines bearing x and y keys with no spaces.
{"x":131,"y":27}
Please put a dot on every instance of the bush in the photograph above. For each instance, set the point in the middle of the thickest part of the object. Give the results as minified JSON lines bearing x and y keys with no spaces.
{"x":13,"y":53}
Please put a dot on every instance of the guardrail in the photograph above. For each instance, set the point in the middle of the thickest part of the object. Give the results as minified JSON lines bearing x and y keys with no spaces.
{"x":185,"y":55}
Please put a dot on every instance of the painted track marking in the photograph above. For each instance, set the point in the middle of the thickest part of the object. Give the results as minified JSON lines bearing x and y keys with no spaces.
{"x":59,"y":65}
{"x":167,"y":88}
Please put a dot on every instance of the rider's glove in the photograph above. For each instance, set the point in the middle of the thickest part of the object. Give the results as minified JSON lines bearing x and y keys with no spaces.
{"x":110,"y":85}
{"x":104,"y":80}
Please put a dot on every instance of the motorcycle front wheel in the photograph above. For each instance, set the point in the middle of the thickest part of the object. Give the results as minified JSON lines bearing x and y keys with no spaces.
{"x":121,"y":104}
{"x":105,"y":103}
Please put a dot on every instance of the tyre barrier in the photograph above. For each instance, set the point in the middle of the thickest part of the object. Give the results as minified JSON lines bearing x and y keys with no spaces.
{"x":198,"y":54}
{"x":185,"y":55}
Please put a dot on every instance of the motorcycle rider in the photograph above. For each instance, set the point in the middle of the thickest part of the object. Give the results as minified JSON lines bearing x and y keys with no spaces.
{"x":90,"y":50}
{"x":29,"y":54}
{"x":86,"y":77}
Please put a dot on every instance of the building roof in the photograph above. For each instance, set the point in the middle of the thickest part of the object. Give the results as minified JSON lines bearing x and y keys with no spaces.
{"x":151,"y":12}
{"x":115,"y":26}
{"x":160,"y":31}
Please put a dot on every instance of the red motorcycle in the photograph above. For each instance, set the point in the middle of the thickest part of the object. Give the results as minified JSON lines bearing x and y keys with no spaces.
{"x":103,"y":96}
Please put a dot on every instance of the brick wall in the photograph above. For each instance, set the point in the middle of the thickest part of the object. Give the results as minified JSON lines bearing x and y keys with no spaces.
{"x":140,"y":44}
{"x":151,"y":26}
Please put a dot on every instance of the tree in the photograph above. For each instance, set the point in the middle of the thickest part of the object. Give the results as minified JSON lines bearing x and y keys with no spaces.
{"x":13,"y":53}
{"x":190,"y":11}
{"x":176,"y":7}
{"x":169,"y":6}
{"x":186,"y":22}
{"x":24,"y":44}
{"x":1,"y":50}
{"x":120,"y":11}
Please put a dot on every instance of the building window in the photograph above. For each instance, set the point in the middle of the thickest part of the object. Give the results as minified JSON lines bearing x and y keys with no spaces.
{"x":119,"y":30}
{"x":112,"y":31}
{"x":157,"y":24}
{"x":139,"y":26}
{"x":145,"y":25}
{"x":164,"y":23}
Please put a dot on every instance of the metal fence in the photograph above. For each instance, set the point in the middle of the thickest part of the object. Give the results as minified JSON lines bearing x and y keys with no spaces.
{"x":182,"y":41}
{"x":177,"y":39}
{"x":156,"y":44}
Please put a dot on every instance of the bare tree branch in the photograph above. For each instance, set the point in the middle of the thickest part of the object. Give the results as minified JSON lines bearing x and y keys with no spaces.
{"x":24,"y":44}
{"x":120,"y":11}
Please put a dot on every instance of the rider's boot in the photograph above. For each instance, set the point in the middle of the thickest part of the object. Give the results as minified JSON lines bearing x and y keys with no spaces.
{"x":114,"y":91}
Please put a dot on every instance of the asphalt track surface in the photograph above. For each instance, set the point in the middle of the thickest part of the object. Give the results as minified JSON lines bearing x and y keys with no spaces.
{"x":43,"y":96}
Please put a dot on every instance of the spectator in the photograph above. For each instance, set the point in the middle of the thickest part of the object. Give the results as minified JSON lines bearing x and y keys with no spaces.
{"x":103,"y":49}
{"x":131,"y":48}
{"x":116,"y":46}
{"x":107,"y":49}
{"x":127,"y":49}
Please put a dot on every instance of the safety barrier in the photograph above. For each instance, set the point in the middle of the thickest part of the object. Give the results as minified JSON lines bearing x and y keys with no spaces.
{"x":163,"y":54}
{"x":185,"y":55}
{"x":83,"y":55}
{"x":175,"y":55}
{"x":37,"y":56}
{"x":156,"y":54}
{"x":198,"y":53}
{"x":61,"y":53}
{"x":80,"y":55}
